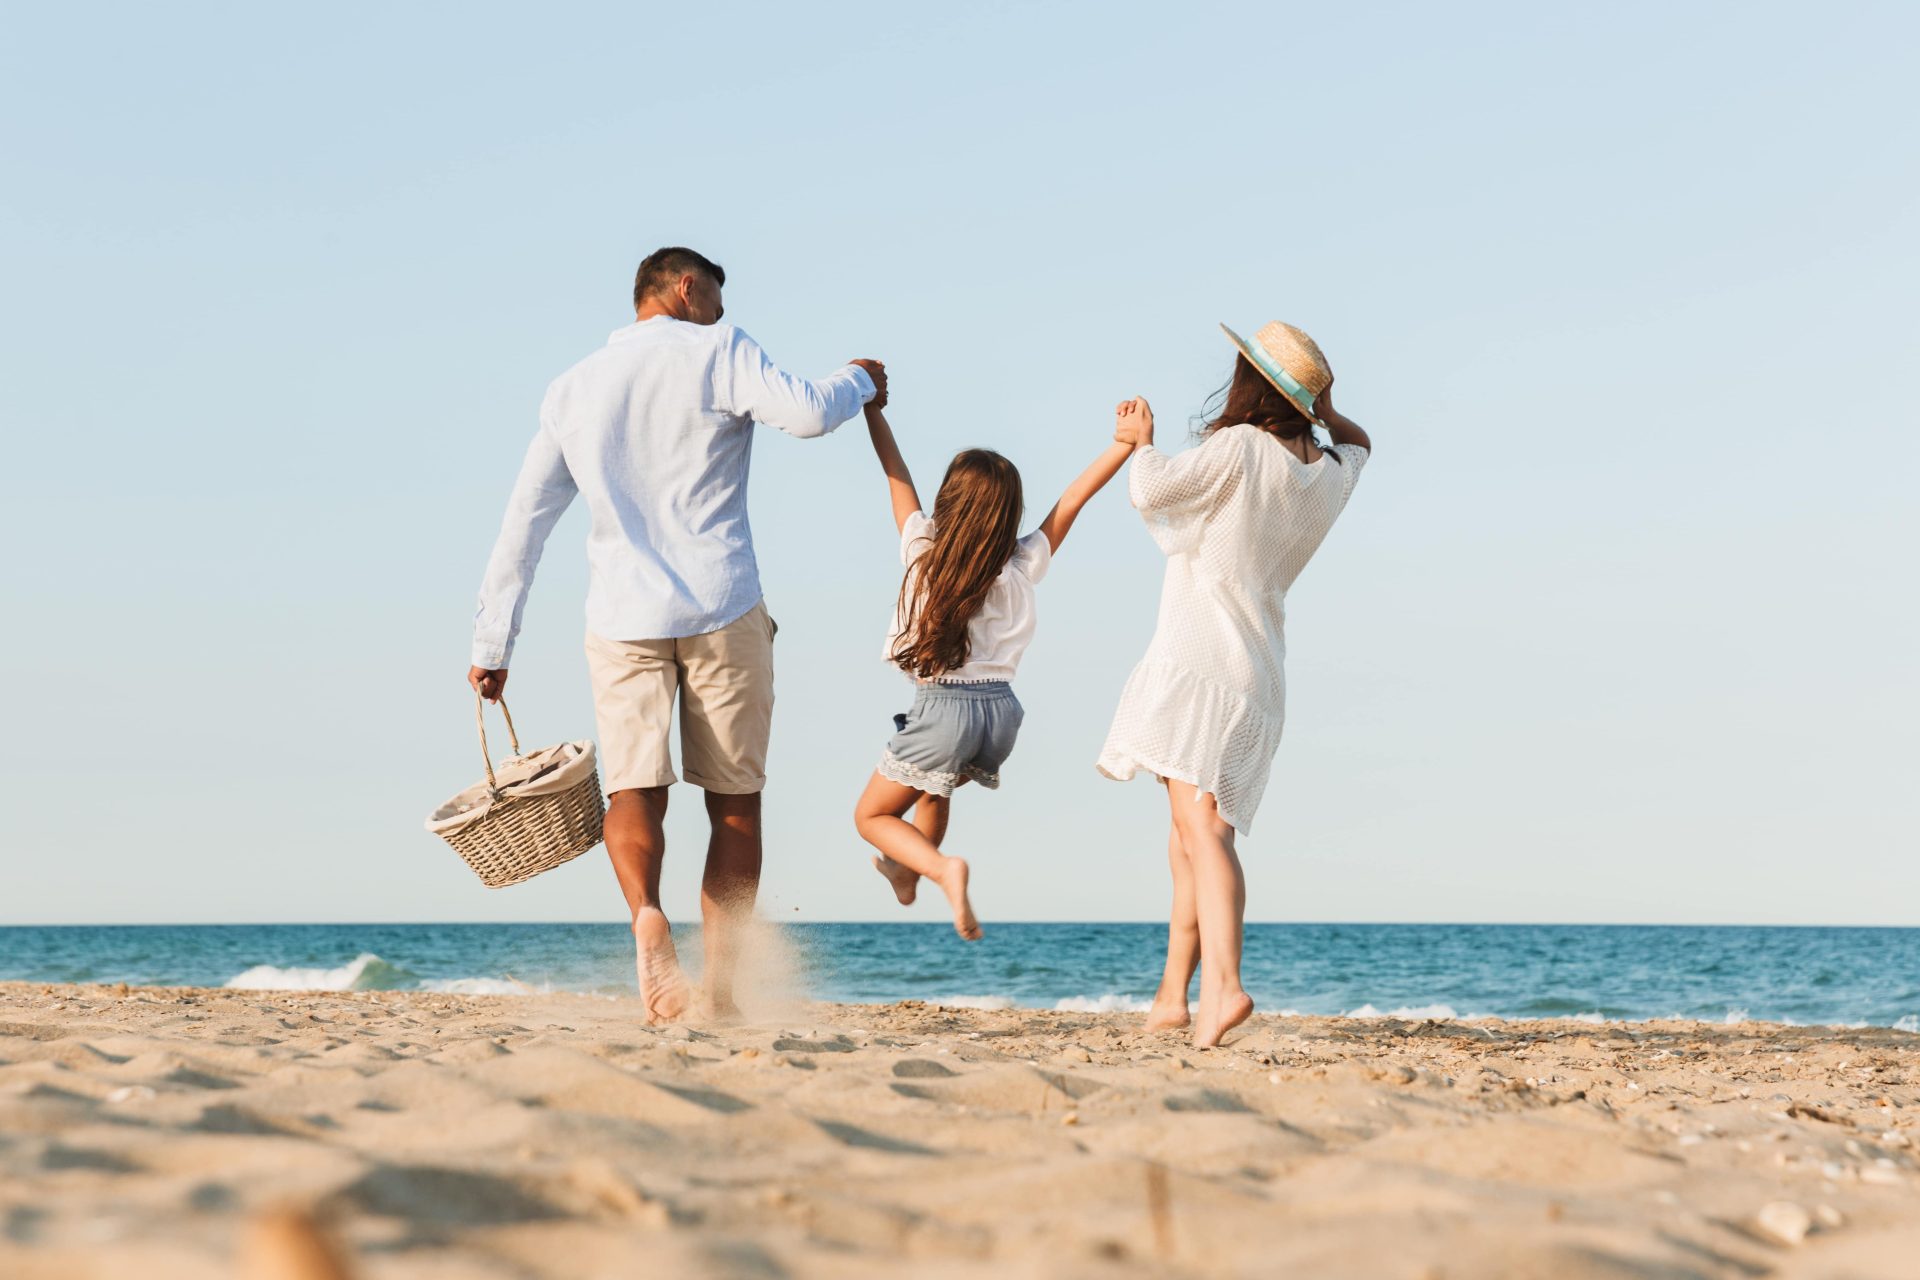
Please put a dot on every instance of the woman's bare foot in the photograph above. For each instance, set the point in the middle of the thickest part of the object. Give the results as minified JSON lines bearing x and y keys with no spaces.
{"x":662,"y":986}
{"x":905,"y":881}
{"x":954,"y":882}
{"x":1165,"y":1015}
{"x":1217,"y":1017}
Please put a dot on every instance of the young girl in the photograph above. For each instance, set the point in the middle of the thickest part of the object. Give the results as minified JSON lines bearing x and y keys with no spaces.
{"x":1238,"y":518}
{"x":964,"y":617}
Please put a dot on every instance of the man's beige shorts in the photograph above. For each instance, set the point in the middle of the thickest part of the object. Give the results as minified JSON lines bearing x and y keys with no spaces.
{"x":725,"y":682}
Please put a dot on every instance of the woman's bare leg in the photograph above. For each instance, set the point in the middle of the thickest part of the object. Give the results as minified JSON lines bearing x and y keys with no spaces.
{"x":877,"y":817}
{"x":1220,"y":906}
{"x":930,"y":815}
{"x":1183,"y":943}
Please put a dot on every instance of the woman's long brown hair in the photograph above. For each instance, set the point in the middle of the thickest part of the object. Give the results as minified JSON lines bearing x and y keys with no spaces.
{"x":1249,"y":397}
{"x":976,"y":522}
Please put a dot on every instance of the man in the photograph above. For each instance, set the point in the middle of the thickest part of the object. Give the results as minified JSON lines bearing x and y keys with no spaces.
{"x":655,"y":431}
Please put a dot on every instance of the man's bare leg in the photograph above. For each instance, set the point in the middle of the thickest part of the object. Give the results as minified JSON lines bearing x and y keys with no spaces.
{"x":1183,"y":943}
{"x":636,"y":844}
{"x":727,"y":893}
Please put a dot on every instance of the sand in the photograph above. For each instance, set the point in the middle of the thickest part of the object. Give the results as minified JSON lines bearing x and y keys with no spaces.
{"x":161,"y":1133}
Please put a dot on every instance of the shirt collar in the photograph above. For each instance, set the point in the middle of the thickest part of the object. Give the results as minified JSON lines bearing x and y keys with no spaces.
{"x":627,"y":331}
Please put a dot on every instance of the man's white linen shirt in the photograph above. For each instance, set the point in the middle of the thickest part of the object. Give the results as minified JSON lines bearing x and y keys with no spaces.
{"x":655,"y":431}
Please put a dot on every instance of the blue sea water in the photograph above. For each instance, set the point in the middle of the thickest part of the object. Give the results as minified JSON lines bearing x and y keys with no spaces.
{"x":1625,"y":972}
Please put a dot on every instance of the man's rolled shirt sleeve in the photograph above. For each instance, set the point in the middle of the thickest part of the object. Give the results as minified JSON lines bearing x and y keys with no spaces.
{"x":752,"y":386}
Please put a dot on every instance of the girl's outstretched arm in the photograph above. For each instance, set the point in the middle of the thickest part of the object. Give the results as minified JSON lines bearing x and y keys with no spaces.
{"x":1088,"y":483}
{"x":906,"y":502}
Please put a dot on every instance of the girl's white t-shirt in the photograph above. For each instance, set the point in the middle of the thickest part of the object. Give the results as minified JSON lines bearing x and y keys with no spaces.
{"x":999,"y":634}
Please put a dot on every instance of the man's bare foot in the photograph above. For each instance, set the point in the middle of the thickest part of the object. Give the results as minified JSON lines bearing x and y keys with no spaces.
{"x":954,"y":882}
{"x":1217,"y":1017}
{"x":719,"y":1009}
{"x":905,"y":882}
{"x":1167,"y":1016}
{"x":662,"y":986}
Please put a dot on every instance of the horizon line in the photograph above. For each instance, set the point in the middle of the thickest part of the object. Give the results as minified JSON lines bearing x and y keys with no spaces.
{"x":932,"y":924}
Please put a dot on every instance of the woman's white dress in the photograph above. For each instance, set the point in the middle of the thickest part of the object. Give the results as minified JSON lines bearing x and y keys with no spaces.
{"x":1238,"y":517}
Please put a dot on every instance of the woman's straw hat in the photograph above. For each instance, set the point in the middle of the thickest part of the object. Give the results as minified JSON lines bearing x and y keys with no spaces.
{"x":1291,"y":361}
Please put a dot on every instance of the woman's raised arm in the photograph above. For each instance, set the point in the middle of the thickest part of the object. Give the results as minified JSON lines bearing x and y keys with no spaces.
{"x":1095,"y":477}
{"x":1343,"y":429}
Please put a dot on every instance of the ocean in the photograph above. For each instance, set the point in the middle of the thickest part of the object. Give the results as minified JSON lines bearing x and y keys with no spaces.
{"x":1833,"y":976}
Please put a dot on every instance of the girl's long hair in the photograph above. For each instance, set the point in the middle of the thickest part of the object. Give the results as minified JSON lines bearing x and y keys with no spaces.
{"x":1249,"y":397}
{"x":976,"y":522}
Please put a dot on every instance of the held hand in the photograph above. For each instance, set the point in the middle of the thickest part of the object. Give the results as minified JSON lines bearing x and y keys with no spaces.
{"x":1133,"y":422}
{"x":878,"y":372}
{"x":490,"y":683}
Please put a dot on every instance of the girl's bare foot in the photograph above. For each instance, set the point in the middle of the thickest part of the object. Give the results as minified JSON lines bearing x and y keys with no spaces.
{"x":953,"y":881}
{"x":1167,"y":1015}
{"x":662,"y":986}
{"x":1217,"y":1017}
{"x":905,"y":881}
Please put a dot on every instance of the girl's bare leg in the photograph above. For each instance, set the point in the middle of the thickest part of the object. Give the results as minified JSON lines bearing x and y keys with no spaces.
{"x":879,"y":821}
{"x":1183,"y":943}
{"x":1220,"y":906}
{"x":930,"y":814}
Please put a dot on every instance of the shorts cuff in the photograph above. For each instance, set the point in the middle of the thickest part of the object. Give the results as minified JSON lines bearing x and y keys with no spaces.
{"x":638,"y":781}
{"x":931,"y":781}
{"x":728,"y":786}
{"x":991,"y":781}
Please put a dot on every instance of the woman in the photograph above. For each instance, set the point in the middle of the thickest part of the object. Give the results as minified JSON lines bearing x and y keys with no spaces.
{"x":1238,"y":518}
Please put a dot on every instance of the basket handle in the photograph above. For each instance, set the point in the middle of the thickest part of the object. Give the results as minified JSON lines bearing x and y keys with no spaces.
{"x":486,"y":753}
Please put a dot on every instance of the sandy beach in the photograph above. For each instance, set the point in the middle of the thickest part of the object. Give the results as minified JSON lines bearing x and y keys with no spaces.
{"x":144,"y":1132}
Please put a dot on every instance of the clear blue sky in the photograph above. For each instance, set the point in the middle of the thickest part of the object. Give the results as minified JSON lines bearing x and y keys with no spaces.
{"x":1620,"y":625}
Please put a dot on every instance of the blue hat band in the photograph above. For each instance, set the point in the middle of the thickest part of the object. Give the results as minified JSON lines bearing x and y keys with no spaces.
{"x":1280,"y":377}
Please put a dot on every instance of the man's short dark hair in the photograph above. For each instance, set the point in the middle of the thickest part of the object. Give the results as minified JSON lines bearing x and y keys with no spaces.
{"x":661,"y":270}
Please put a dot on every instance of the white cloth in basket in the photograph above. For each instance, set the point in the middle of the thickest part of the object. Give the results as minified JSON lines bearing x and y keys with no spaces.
{"x":548,"y":771}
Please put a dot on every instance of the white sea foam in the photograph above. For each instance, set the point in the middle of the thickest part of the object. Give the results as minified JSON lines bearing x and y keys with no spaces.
{"x":1909,"y":1023}
{"x":368,"y":972}
{"x":483,"y":987}
{"x":1735,"y":1017}
{"x":1109,"y":1003}
{"x":365,"y":972}
{"x":974,"y":1002}
{"x":1438,"y":1012}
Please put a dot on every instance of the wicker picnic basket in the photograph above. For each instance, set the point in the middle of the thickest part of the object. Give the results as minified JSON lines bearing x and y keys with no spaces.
{"x":539,"y":810}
